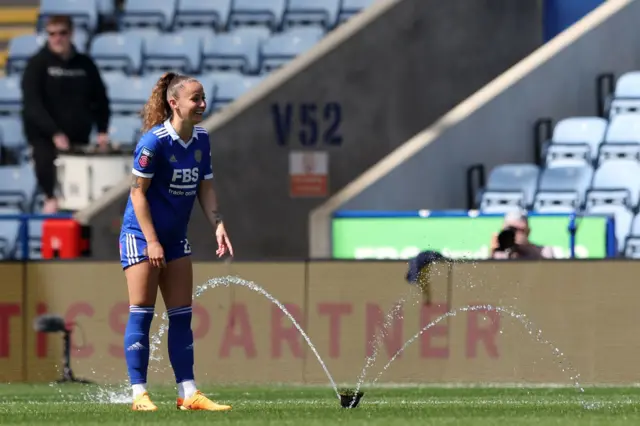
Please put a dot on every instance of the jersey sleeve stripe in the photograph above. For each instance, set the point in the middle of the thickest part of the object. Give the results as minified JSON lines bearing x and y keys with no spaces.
{"x":209,"y":176}
{"x":141,"y":174}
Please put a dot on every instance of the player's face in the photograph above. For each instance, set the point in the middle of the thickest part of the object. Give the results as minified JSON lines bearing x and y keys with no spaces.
{"x":59,"y":38}
{"x":191,"y":102}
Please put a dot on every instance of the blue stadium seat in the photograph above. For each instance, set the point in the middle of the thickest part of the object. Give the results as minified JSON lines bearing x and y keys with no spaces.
{"x":282,"y":47}
{"x":125,"y":130}
{"x":250,"y":13}
{"x":563,"y":189}
{"x":21,"y":48}
{"x":34,"y":241}
{"x":350,"y":8}
{"x":510,"y":186}
{"x":117,"y":52}
{"x":207,"y":13}
{"x":9,"y":231}
{"x":179,"y":51}
{"x":230,"y":86}
{"x":148,"y":13}
{"x":616,"y":182}
{"x":622,"y":217}
{"x":576,"y":139}
{"x":127,"y":95}
{"x":323,"y":13}
{"x":10,"y":95}
{"x":19,"y":187}
{"x":235,"y":51}
{"x":11,"y":133}
{"x":622,"y":140}
{"x":626,"y":95}
{"x":83,"y":12}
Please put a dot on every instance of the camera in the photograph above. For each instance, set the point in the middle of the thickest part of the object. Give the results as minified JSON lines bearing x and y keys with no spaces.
{"x":506,"y":239}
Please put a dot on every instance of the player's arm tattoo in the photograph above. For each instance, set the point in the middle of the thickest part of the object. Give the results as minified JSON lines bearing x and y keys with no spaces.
{"x":135,"y":182}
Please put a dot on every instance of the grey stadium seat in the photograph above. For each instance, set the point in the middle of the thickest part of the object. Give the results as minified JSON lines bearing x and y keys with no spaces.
{"x":510,"y":186}
{"x":626,"y":95}
{"x":622,"y":140}
{"x":563,"y":188}
{"x":576,"y":139}
{"x":632,"y":247}
{"x":616,"y":182}
{"x":622,"y":216}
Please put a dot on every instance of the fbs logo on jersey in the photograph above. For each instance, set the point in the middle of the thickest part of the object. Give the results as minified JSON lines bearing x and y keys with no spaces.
{"x":198,"y":155}
{"x":173,"y":159}
{"x":145,"y":157}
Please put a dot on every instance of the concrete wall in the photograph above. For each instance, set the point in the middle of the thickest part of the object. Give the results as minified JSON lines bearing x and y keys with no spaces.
{"x":501,"y":130}
{"x":398,"y":74}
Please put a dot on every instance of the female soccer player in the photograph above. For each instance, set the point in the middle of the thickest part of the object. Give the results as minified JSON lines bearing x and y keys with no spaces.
{"x":172,"y":165}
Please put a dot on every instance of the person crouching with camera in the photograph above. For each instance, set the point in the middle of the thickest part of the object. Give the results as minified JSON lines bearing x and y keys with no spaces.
{"x":513,"y":241}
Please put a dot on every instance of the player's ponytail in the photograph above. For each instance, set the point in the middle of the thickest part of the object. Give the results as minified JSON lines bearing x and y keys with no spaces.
{"x":157,"y":108}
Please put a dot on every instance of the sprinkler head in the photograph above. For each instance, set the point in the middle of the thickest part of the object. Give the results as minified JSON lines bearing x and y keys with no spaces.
{"x":349,"y":398}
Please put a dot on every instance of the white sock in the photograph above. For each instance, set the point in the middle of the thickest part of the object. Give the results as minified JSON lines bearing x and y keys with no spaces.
{"x":138,"y":389}
{"x":187,"y":388}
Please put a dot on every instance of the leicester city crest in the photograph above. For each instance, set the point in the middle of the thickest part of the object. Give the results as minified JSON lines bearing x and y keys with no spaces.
{"x":198,"y":155}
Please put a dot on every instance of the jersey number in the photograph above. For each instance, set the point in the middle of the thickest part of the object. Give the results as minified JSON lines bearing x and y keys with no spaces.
{"x":187,"y":247}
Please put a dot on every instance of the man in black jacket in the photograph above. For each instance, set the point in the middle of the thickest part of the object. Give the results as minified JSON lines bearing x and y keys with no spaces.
{"x":63,"y":97}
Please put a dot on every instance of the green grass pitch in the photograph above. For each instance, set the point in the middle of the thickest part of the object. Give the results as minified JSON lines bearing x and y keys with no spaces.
{"x":309,"y":406}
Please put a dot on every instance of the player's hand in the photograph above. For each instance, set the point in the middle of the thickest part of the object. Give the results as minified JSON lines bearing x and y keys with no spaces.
{"x":224,"y":245}
{"x":155,"y":252}
{"x":61,"y":141}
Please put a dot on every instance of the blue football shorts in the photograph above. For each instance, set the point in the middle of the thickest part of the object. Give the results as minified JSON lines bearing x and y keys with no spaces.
{"x":133,"y":250}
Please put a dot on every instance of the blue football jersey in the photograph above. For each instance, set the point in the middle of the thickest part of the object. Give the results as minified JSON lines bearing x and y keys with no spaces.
{"x":175,"y":168}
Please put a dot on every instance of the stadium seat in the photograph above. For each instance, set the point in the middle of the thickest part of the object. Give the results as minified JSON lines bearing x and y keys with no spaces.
{"x":81,"y":40}
{"x":11,"y":133}
{"x":177,"y":51}
{"x":576,"y":139}
{"x":250,"y":13}
{"x":622,"y":217}
{"x":352,"y":7}
{"x":106,"y":8}
{"x":148,"y":13}
{"x":19,"y":187}
{"x":146,"y":34}
{"x":206,"y":13}
{"x":622,"y":140}
{"x":616,"y":182}
{"x":563,"y":189}
{"x":34,"y":241}
{"x":10,"y":95}
{"x":125,"y":130}
{"x":127,"y":95}
{"x":231,"y":86}
{"x":117,"y":52}
{"x":83,"y":12}
{"x":626,"y":97}
{"x":323,"y":13}
{"x":282,"y":47}
{"x":510,"y":186}
{"x":632,"y":246}
{"x":9,"y":231}
{"x":235,"y":51}
{"x":21,"y":48}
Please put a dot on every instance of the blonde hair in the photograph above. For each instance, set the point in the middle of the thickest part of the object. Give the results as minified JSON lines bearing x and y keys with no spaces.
{"x":157,"y":109}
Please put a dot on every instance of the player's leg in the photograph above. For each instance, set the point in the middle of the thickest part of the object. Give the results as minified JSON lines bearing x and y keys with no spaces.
{"x":142,"y":284}
{"x":176,"y":285}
